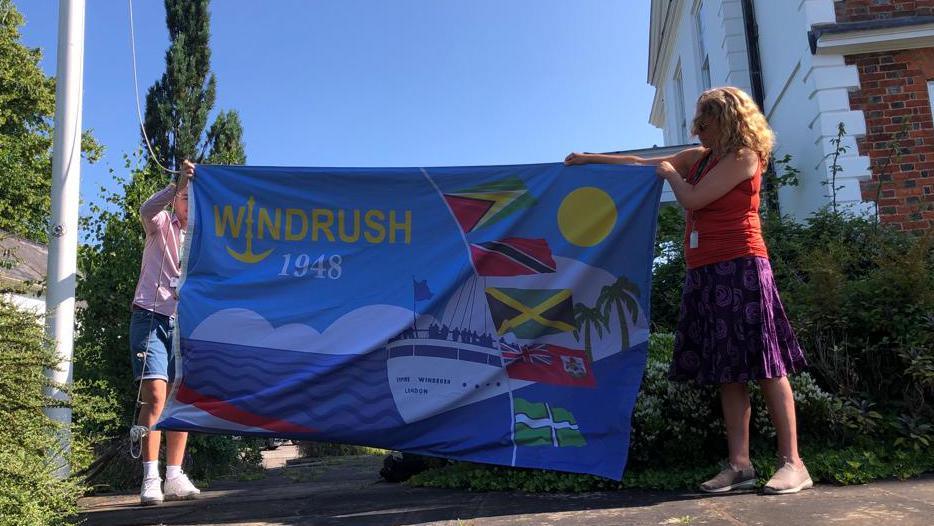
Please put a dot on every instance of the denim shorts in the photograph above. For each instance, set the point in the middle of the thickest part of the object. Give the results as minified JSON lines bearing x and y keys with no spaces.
{"x":151,"y":339}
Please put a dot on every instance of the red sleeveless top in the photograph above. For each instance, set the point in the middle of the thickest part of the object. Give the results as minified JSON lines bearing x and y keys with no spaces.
{"x":727,"y":228}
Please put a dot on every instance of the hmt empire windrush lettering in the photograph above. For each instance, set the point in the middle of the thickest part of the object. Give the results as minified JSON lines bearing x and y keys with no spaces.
{"x":317,"y":224}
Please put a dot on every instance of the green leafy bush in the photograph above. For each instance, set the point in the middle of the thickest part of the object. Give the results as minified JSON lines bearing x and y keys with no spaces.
{"x":861,"y":298}
{"x":30,"y":493}
{"x":678,"y":439}
{"x":677,"y":424}
{"x":845,"y":466}
{"x":668,"y":270}
{"x":216,"y":456}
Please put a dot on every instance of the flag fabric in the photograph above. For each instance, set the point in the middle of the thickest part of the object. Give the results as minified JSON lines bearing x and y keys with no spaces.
{"x":550,"y":364}
{"x":512,"y":257}
{"x":422,"y":292}
{"x":437,"y":311}
{"x":530,"y":313}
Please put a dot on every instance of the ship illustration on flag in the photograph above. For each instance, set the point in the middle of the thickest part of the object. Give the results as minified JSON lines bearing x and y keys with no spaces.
{"x":452,"y":362}
{"x":541,"y":424}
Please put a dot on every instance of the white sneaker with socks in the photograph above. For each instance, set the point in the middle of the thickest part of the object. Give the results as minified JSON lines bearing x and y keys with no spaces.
{"x":151,"y":491}
{"x":179,"y":487}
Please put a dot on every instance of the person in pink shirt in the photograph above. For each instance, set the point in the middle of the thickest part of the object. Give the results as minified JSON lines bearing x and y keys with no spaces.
{"x":151,"y":326}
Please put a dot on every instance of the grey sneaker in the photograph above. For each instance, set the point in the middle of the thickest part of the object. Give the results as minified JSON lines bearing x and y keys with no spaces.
{"x":730,"y":479}
{"x":788,"y":479}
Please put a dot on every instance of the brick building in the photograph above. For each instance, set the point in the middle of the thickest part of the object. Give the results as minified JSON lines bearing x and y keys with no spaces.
{"x":811,"y":65}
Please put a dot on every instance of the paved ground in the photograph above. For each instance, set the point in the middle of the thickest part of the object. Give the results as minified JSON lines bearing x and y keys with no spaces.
{"x":277,"y":458}
{"x":348,"y":491}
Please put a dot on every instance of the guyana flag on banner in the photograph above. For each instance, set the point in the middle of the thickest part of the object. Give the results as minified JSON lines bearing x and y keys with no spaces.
{"x":486,"y":204}
{"x":530,"y":313}
{"x":540,"y":424}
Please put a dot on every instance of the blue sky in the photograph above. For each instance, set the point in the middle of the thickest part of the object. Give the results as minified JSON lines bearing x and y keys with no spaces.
{"x":376,"y":83}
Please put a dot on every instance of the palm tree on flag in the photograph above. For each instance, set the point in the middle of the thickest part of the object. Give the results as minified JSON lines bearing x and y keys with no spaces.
{"x":589,"y":318}
{"x":622,"y":296}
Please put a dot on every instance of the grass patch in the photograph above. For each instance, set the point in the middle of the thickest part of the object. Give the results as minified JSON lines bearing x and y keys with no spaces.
{"x":330,"y":449}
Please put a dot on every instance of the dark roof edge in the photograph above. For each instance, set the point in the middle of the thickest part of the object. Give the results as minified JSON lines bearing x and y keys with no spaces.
{"x":819,"y":30}
{"x":656,"y":149}
{"x":6,"y":234}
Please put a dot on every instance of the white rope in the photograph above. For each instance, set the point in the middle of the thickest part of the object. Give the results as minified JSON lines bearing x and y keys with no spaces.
{"x":139,"y":111}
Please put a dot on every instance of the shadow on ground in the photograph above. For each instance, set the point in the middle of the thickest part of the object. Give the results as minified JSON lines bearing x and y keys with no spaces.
{"x":348,"y":491}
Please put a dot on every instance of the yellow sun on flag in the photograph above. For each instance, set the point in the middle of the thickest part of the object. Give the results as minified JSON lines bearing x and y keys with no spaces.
{"x":586,"y":216}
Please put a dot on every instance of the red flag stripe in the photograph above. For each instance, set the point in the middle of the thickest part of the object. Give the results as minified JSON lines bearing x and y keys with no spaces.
{"x":468,"y":211}
{"x":228,"y":411}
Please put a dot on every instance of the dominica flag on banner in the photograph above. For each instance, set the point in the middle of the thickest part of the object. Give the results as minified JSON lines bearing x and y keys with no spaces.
{"x":492,"y":314}
{"x":540,"y":424}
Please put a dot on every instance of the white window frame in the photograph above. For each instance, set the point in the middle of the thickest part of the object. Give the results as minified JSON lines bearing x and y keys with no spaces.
{"x":681,"y":123}
{"x":931,"y":96}
{"x":703,"y":59}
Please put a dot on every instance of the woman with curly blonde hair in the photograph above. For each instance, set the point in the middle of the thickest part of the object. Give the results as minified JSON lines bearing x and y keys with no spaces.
{"x":732,"y":328}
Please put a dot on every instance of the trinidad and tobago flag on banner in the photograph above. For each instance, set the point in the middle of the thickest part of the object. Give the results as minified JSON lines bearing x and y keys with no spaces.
{"x":548,"y":364}
{"x":513,"y":256}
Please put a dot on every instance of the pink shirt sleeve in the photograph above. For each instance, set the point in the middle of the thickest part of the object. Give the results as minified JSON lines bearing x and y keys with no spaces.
{"x":149,"y":212}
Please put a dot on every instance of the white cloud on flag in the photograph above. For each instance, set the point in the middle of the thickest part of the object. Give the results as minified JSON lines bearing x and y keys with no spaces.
{"x":347,"y":335}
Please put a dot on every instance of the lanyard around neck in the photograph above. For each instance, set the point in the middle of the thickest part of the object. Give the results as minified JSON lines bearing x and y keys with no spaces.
{"x":701,"y":166}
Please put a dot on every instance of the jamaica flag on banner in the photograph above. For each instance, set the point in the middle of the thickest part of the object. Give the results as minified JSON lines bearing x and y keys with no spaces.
{"x":530,"y":313}
{"x":540,"y":424}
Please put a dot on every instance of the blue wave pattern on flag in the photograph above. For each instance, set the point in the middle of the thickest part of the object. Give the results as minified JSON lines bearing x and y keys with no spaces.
{"x":276,"y":382}
{"x":458,"y":312}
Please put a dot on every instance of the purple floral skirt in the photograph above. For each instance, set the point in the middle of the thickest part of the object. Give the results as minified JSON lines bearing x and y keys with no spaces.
{"x":732,"y":327}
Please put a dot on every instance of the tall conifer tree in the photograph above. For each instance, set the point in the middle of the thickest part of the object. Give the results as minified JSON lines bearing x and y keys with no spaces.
{"x":178,"y":105}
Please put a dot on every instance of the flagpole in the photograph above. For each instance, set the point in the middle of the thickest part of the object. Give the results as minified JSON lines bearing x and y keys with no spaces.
{"x":414,"y":314}
{"x":63,"y":238}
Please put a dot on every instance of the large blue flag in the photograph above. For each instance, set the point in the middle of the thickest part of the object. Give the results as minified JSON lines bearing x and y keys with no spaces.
{"x":492,"y":314}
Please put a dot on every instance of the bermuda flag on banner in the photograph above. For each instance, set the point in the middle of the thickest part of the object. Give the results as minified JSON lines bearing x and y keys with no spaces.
{"x":459,"y":312}
{"x":548,"y":364}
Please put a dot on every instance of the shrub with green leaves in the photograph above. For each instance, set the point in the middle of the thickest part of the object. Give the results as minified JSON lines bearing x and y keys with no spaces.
{"x":678,"y":439}
{"x":860,"y":295}
{"x":861,"y":298}
{"x":30,"y":493}
{"x":677,"y":424}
